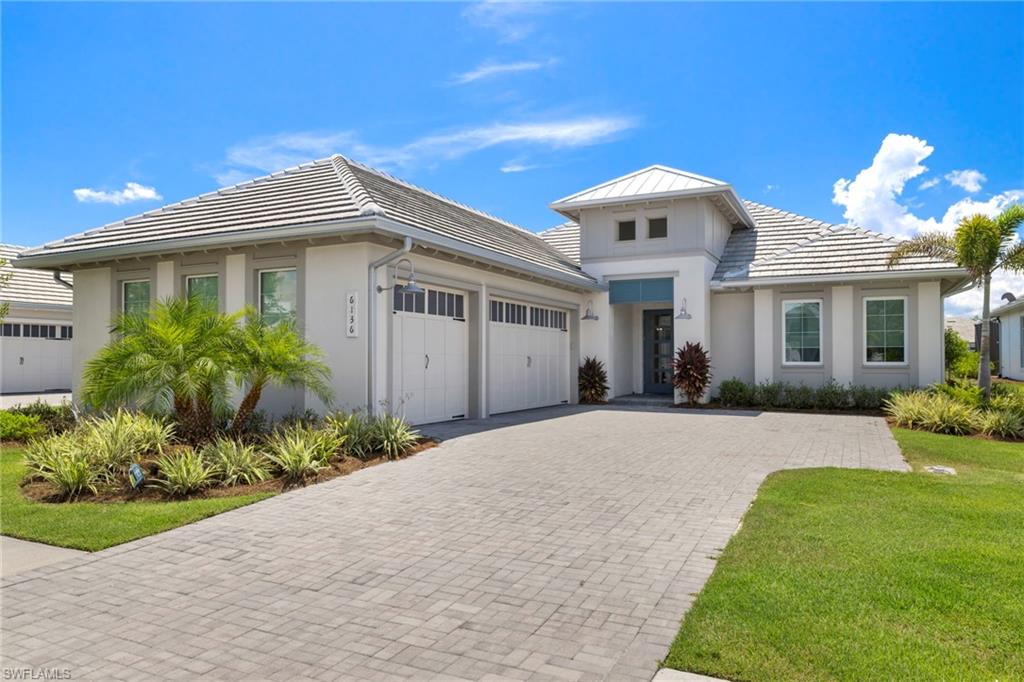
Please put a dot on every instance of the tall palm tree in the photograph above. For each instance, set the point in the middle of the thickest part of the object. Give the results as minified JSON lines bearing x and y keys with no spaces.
{"x":981,"y":245}
{"x":266,"y":354}
{"x":175,"y":358}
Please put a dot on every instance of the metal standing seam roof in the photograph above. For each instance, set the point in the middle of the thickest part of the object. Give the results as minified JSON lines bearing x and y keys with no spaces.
{"x":321,"y":191}
{"x":31,"y":287}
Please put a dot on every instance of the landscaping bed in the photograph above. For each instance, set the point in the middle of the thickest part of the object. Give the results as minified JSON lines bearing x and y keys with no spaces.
{"x":851,"y":574}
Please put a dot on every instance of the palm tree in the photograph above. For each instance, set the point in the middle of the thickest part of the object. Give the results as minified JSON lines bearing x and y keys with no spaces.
{"x":274,"y":354}
{"x":981,"y":245}
{"x":175,"y":358}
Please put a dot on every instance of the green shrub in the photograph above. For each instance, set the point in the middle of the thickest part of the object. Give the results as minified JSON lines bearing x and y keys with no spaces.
{"x":118,"y":440}
{"x":934,"y":412}
{"x":72,"y":473}
{"x":832,"y":396}
{"x":1007,"y":424}
{"x":799,"y":397}
{"x":869,"y":397}
{"x":325,"y":443}
{"x":41,"y":453}
{"x":296,"y":453}
{"x":183,"y":471}
{"x":14,"y":426}
{"x":735,"y":393}
{"x":56,"y":418}
{"x":357,"y":430}
{"x":967,"y":366}
{"x":770,"y":394}
{"x":961,"y":391}
{"x":956,"y":347}
{"x":235,"y":463}
{"x":593,"y":381}
{"x":392,"y":437}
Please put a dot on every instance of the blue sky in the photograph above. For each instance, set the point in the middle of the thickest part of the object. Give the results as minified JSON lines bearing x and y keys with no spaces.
{"x":508,"y":106}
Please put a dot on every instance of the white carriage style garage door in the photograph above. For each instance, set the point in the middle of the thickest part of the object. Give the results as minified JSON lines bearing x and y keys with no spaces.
{"x":36,"y":357}
{"x":528,"y":356}
{"x":430,"y":358}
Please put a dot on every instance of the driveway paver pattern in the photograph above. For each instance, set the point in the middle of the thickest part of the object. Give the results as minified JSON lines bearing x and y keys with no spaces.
{"x":559,"y":544}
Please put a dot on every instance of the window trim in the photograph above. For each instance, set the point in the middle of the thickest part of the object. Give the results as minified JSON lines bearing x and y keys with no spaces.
{"x":648,"y":220}
{"x":618,"y":231}
{"x":259,"y":287}
{"x":821,"y":332}
{"x":864,"y":332}
{"x":204,"y":275}
{"x":1020,"y":340}
{"x":124,"y":299}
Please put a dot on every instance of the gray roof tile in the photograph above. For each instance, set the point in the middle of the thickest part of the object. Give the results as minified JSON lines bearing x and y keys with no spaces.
{"x":565,"y":238}
{"x":31,"y":287}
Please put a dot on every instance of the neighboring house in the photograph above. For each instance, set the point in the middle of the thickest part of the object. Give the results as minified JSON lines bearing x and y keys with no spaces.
{"x":964,"y":328}
{"x":35,"y":338}
{"x":647,"y":262}
{"x":1011,"y":347}
{"x":993,"y":339}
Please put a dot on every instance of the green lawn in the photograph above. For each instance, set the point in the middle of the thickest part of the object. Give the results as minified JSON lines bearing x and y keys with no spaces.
{"x":94,"y":526}
{"x":853,"y":575}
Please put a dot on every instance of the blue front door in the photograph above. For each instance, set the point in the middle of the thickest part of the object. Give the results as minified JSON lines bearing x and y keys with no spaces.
{"x":658,"y":351}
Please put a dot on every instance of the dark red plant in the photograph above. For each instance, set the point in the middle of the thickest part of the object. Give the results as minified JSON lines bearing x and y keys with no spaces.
{"x":692,"y":371}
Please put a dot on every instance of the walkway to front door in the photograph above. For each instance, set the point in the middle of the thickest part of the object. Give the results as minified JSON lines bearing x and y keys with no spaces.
{"x":658,"y":351}
{"x":563,"y":544}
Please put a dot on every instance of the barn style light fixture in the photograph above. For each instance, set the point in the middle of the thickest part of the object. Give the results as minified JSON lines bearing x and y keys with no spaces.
{"x":683,"y":315}
{"x":589,"y":315}
{"x":409,"y":287}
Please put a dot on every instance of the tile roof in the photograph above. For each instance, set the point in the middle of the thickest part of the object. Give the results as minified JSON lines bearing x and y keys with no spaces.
{"x":565,"y":238}
{"x":785,"y":244}
{"x":31,"y":287}
{"x":318,"y":192}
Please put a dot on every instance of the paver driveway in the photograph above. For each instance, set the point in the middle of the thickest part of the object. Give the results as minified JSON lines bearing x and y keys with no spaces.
{"x":559,"y":544}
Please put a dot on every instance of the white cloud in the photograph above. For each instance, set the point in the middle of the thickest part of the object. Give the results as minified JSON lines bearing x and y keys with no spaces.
{"x":969,"y":179}
{"x":512,"y":21}
{"x":272,"y":153}
{"x":516,"y":167}
{"x":872,"y":200}
{"x":768,"y":189}
{"x":132,"y":191}
{"x":492,"y":69}
{"x":929,"y":183}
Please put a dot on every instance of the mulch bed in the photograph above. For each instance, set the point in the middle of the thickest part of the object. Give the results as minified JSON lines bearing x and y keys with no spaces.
{"x":41,"y":491}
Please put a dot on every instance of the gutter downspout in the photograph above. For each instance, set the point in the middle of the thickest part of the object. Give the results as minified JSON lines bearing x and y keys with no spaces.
{"x":58,"y":280}
{"x":371,"y":314}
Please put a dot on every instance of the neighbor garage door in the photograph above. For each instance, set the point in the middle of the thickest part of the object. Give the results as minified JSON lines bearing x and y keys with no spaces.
{"x":36,"y":357}
{"x":528,"y":356}
{"x":430,"y":363}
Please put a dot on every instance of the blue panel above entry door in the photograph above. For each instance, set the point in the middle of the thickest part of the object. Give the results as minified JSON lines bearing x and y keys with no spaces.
{"x":640,"y":290}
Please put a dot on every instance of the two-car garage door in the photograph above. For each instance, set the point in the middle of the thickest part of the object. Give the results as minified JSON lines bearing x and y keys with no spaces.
{"x":528,"y":356}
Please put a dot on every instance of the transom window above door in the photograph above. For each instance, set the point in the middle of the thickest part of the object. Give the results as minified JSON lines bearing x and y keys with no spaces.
{"x":431,"y":302}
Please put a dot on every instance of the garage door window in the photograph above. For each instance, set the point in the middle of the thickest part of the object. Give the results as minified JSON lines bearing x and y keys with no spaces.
{"x":509,"y":313}
{"x":547,"y":317}
{"x":11,"y":329}
{"x":432,"y":302}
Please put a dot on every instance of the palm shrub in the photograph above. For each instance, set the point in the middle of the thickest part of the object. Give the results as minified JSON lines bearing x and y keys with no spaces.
{"x":392,"y":436}
{"x":357,"y":429}
{"x":174,"y":359}
{"x":692,"y":371}
{"x":981,"y":245}
{"x":235,"y":463}
{"x":593,"y":381}
{"x":183,"y":471}
{"x":265,"y":354}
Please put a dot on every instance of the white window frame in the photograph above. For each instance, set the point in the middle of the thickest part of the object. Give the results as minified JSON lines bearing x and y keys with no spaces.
{"x":124,"y":299}
{"x":864,"y":332}
{"x":259,"y":287}
{"x":618,"y":222}
{"x":648,"y":220}
{"x":821,"y":331}
{"x":189,"y":278}
{"x":1020,"y":339}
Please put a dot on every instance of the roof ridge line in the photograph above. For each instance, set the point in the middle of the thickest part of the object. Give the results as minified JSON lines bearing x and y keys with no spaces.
{"x":359,"y":193}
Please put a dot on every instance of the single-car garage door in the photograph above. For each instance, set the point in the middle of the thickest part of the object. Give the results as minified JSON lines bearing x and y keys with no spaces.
{"x":528,"y":356}
{"x":430,"y":361}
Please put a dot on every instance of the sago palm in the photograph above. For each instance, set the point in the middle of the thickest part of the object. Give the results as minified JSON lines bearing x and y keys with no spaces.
{"x":175,"y":358}
{"x":265,"y":354}
{"x":981,"y":245}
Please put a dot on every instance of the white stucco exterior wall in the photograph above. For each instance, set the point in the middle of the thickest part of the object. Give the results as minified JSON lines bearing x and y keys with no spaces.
{"x":1011,"y":356}
{"x":164,"y":286}
{"x":732,"y":348}
{"x":764,"y":336}
{"x":843,"y":353}
{"x":90,"y":317}
{"x":234,"y":282}
{"x":930,"y":329}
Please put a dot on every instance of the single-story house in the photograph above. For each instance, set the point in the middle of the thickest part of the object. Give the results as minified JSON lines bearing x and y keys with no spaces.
{"x":35,"y":336}
{"x":1011,"y":342}
{"x":500,"y":317}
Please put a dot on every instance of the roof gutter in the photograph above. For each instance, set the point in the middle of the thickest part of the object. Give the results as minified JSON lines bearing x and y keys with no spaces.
{"x":62,"y":282}
{"x":570,"y":209}
{"x":371,"y":314}
{"x":847,"y":277}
